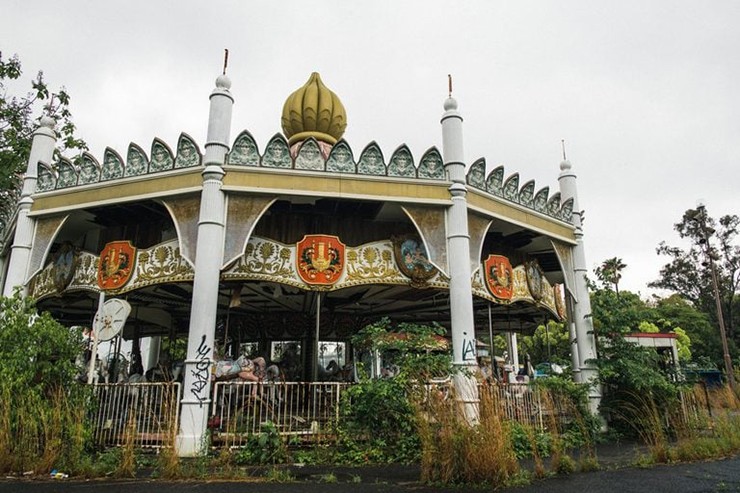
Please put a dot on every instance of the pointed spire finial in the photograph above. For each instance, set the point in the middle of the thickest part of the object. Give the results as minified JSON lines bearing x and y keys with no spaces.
{"x":226,"y":59}
{"x":449,"y":84}
{"x":562,"y":143}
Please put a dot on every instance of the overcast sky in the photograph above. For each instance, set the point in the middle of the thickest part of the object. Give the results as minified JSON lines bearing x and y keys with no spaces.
{"x":644,"y":93}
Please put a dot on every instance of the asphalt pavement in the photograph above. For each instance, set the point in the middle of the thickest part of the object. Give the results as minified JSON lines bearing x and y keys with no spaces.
{"x":710,"y":476}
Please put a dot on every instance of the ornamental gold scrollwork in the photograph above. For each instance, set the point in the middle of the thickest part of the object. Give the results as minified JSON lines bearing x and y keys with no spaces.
{"x":42,"y":284}
{"x":370,"y":262}
{"x":548,"y":296}
{"x":521,"y":291}
{"x":160,"y":263}
{"x":87,"y":271}
{"x":266,"y":257}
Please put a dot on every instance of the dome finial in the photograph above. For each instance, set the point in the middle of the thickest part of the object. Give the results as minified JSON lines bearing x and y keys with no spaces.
{"x":565,"y":164}
{"x":313,"y":111}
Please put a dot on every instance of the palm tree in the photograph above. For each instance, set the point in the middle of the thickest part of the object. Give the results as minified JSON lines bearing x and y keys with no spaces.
{"x":610,"y":271}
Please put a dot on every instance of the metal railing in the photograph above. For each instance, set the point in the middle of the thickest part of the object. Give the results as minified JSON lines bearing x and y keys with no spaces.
{"x":145,"y":413}
{"x":240,"y":409}
{"x":148,"y":413}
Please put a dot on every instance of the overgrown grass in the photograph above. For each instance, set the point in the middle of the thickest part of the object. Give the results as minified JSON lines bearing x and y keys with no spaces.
{"x":42,"y":433}
{"x":454,"y":452}
{"x":702,"y":425}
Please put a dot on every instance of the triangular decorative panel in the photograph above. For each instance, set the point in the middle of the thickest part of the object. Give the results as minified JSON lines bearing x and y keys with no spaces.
{"x":188,"y":154}
{"x":402,"y":163}
{"x":553,"y":205}
{"x":46,"y":180}
{"x":136,"y":161}
{"x":277,"y":153}
{"x":162,"y":159}
{"x":341,"y":159}
{"x":527,"y":193}
{"x":89,"y":169}
{"x":244,"y":152}
{"x":67,"y":174}
{"x":566,"y":210}
{"x":371,"y":161}
{"x":511,"y":187}
{"x":309,"y":156}
{"x":494,"y":182}
{"x":431,"y":165}
{"x":112,"y":165}
{"x":477,"y":174}
{"x":540,"y":199}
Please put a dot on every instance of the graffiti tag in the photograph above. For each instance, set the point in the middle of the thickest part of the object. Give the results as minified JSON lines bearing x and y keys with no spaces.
{"x":201,"y":372}
{"x":468,"y":350}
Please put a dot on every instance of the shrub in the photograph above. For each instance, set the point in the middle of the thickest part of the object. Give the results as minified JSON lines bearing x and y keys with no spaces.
{"x":42,"y":408}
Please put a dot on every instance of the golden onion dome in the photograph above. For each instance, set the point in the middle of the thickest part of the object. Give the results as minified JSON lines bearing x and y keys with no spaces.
{"x":313,"y":111}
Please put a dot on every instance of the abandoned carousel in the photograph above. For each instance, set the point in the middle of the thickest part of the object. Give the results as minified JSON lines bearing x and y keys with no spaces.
{"x":284,"y":253}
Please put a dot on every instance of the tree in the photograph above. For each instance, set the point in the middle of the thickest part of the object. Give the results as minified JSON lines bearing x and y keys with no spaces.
{"x":689,"y":274}
{"x":705,"y":341}
{"x":18,"y":120}
{"x":622,"y":314}
{"x":610,"y":272}
{"x":549,"y":343}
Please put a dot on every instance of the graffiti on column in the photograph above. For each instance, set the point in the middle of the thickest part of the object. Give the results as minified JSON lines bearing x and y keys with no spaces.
{"x":468,"y":350}
{"x":201,"y":372}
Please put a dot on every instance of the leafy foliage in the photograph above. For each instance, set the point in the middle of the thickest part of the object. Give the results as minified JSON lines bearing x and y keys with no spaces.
{"x":18,"y":117}
{"x":37,"y":353}
{"x":42,"y":408}
{"x":265,"y":447}
{"x":610,"y":272}
{"x":548,"y":343}
{"x":689,"y":272}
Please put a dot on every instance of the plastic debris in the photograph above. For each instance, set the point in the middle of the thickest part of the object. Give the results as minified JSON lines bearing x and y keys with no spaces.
{"x":58,"y":475}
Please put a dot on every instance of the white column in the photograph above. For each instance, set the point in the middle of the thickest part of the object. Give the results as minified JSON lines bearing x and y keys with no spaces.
{"x":575,"y":360}
{"x":581,"y":306}
{"x":42,"y":149}
{"x":458,"y":255}
{"x":513,"y":346}
{"x":197,"y":385}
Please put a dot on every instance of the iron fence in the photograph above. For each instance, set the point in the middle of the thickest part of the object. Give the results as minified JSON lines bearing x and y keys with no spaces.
{"x":240,"y":409}
{"x":145,"y":413}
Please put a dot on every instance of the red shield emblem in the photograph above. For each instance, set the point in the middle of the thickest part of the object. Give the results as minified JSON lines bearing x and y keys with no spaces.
{"x":116,"y":264}
{"x":320,"y":259}
{"x":499,"y":276}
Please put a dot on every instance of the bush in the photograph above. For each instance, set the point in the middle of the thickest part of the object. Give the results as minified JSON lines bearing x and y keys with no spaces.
{"x":42,"y":409}
{"x":378,"y":412}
